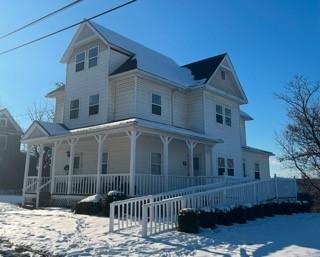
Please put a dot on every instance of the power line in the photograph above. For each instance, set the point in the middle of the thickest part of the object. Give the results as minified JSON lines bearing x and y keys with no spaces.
{"x":41,"y":18}
{"x":66,"y":28}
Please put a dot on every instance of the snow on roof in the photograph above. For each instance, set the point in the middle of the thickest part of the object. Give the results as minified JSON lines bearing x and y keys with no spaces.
{"x":55,"y":91}
{"x":148,"y":60}
{"x":56,"y":129}
{"x":245,"y":115}
{"x":53,"y":129}
{"x":256,"y":150}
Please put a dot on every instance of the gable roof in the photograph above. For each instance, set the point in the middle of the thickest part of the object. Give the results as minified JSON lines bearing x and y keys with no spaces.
{"x":55,"y":91}
{"x":46,"y":128}
{"x":204,"y":69}
{"x":12,"y":120}
{"x":147,"y":60}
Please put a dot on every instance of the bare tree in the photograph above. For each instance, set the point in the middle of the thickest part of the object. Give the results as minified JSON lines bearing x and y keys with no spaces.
{"x":300,"y":139}
{"x":40,"y":112}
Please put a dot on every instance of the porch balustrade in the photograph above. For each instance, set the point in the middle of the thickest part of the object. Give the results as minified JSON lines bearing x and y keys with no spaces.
{"x":145,"y":184}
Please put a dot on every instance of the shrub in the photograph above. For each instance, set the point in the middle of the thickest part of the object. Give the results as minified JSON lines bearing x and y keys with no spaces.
{"x":238,"y":215}
{"x":223,"y":217}
{"x":111,"y":196}
{"x":188,"y":221}
{"x":259,"y":210}
{"x":90,"y":205}
{"x":267,"y":209}
{"x":251,"y":212}
{"x":207,"y":219}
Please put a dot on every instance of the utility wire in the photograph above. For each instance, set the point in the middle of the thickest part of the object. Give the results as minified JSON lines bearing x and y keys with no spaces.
{"x":66,"y":28}
{"x":41,"y":18}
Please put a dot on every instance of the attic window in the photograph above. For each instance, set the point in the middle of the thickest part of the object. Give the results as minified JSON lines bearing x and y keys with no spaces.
{"x":80,"y":61}
{"x":223,"y":75}
{"x":93,"y":57}
{"x":3,"y":122}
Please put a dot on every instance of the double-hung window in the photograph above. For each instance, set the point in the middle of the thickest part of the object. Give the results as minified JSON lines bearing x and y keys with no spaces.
{"x":104,"y":164}
{"x":3,"y":142}
{"x":3,"y":122}
{"x":74,"y":109}
{"x":257,"y":171}
{"x":156,"y":104}
{"x":76,"y":164}
{"x":80,"y":58}
{"x":219,"y":114}
{"x":94,"y":104}
{"x":155,"y":163}
{"x":221,"y":166}
{"x":227,"y":116}
{"x":93,"y":57}
{"x":223,"y":75}
{"x":230,"y":166}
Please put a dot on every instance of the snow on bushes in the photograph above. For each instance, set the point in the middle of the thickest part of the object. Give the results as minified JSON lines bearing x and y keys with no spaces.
{"x":112,"y":196}
{"x":90,"y":205}
{"x":189,"y":220}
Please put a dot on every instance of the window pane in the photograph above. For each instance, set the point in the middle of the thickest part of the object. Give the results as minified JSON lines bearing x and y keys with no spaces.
{"x":227,"y":112}
{"x":230,"y":163}
{"x":219,"y":109}
{"x":221,"y":171}
{"x":80,"y":66}
{"x":230,"y":172}
{"x":156,"y":99}
{"x":74,"y":104}
{"x":196,"y":163}
{"x":219,"y":118}
{"x":94,"y":99}
{"x":257,"y":167}
{"x":221,"y":162}
{"x":257,"y":175}
{"x":74,"y":114}
{"x":156,"y":109}
{"x":155,"y":158}
{"x":105,"y":157}
{"x":93,"y":109}
{"x":93,"y":62}
{"x":104,"y":169}
{"x":3,"y":122}
{"x":228,"y":121}
{"x":80,"y":57}
{"x":156,"y":169}
{"x":223,"y":75}
{"x":93,"y":52}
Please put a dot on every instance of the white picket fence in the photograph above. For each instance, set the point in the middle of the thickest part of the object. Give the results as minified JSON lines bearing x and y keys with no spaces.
{"x":128,"y":213}
{"x":162,"y":215}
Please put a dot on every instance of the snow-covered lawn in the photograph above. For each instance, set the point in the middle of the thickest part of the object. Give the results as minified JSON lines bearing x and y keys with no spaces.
{"x":62,"y":233}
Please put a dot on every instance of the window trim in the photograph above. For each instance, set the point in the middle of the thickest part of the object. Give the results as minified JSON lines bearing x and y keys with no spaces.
{"x":5,"y":142}
{"x":151,"y":163}
{"x":93,"y":105}
{"x":96,"y":46}
{"x":84,"y":60}
{"x":223,"y":114}
{"x":5,"y":123}
{"x":73,"y":109}
{"x":156,"y":104}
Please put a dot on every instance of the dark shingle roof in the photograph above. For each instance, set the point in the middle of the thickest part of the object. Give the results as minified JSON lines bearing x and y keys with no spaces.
{"x":130,"y":64}
{"x":204,"y":69}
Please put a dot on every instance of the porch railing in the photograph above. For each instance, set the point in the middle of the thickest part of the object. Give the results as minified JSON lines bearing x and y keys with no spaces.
{"x":162,"y":215}
{"x":32,"y":184}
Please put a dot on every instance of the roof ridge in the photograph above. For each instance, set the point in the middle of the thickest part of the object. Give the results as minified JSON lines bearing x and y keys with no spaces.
{"x":206,"y":59}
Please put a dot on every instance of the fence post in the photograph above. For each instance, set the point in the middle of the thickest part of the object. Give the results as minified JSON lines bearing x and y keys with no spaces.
{"x":276,"y":187}
{"x":111,"y":218}
{"x":255,"y":199}
{"x":145,"y":220}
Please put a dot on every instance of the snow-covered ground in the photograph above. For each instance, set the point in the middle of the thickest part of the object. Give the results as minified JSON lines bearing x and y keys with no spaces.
{"x":59,"y":232}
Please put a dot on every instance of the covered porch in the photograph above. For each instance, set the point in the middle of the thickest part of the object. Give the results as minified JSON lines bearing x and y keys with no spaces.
{"x":134,"y":156}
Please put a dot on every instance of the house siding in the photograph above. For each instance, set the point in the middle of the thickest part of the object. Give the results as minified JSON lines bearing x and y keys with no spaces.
{"x":251,"y":158}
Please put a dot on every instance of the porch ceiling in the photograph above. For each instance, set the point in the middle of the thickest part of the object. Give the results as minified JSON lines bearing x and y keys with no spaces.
{"x":114,"y":128}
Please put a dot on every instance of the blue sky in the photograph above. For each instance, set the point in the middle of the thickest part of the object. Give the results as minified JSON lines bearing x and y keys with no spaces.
{"x":268,"y":42}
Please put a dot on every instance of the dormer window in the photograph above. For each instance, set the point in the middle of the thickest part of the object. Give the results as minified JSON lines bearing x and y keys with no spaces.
{"x":3,"y":122}
{"x":74,"y":109}
{"x":93,"y":57}
{"x":80,"y":61}
{"x":94,"y":104}
{"x":156,"y":104}
{"x":223,"y":75}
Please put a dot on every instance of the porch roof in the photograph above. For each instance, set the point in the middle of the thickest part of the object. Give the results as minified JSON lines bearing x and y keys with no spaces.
{"x":58,"y":131}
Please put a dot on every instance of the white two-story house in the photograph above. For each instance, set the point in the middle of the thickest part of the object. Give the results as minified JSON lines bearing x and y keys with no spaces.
{"x":132,"y":119}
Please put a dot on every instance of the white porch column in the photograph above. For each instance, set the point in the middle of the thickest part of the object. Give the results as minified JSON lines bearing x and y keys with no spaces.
{"x":72,"y":143}
{"x":133,"y":135}
{"x":166,"y":141}
{"x":208,"y":160}
{"x":26,"y":172}
{"x":40,"y":165}
{"x":53,"y":164}
{"x":100,"y":139}
{"x":191,"y":145}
